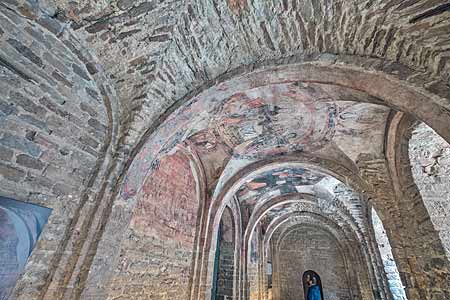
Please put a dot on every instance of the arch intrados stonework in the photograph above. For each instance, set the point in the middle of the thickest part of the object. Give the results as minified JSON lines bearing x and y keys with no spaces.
{"x":339,"y":234}
{"x":350,"y":233}
{"x":343,"y":83}
{"x":366,"y":185}
{"x":418,"y":221}
{"x":93,"y":202}
{"x":342,"y":223}
{"x":252,"y":170}
{"x":383,"y":64}
{"x":396,"y":72}
{"x":264,"y":206}
{"x":294,"y":198}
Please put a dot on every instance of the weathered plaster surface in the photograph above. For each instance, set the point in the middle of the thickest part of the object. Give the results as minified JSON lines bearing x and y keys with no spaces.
{"x":98,"y":97}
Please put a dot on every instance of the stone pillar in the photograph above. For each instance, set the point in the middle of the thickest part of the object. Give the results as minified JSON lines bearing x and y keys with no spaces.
{"x":415,"y":243}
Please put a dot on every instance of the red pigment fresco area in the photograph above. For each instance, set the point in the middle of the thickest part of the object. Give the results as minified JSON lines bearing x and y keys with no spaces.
{"x":167,"y":208}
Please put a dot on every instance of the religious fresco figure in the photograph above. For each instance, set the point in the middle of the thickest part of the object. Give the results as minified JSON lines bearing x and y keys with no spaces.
{"x":312,"y":286}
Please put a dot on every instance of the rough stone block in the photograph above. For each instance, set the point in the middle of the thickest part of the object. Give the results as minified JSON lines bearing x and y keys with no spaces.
{"x":5,"y":153}
{"x":29,"y":162}
{"x":25,"y":51}
{"x":11,"y":173}
{"x":27,"y":104}
{"x":20,"y":143}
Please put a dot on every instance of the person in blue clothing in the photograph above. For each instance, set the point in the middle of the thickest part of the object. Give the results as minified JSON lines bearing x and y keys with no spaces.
{"x":313,"y":289}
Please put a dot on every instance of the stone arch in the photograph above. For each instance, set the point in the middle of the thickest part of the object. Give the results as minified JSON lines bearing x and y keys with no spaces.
{"x":346,"y":221}
{"x":378,"y":86}
{"x":326,"y":67}
{"x":59,"y":135}
{"x":410,"y":211}
{"x":429,"y":157}
{"x":338,"y":232}
{"x":244,"y":174}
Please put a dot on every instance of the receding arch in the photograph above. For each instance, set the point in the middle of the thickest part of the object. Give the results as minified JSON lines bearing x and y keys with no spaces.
{"x":416,"y":228}
{"x":259,"y":167}
{"x":345,"y":235}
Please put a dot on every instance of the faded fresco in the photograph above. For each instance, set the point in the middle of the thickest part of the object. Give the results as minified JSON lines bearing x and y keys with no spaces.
{"x":167,"y":207}
{"x":273,"y":120}
{"x":20,"y":226}
{"x":159,"y":246}
{"x":248,"y":122}
{"x":280,"y":181}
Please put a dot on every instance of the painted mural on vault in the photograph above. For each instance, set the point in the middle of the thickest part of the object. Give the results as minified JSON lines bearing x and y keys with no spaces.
{"x":276,"y":182}
{"x":254,"y":121}
{"x":279,"y":119}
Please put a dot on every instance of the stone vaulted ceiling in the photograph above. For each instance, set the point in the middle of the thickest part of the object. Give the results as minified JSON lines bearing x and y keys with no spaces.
{"x":158,"y":52}
{"x":163,"y":114}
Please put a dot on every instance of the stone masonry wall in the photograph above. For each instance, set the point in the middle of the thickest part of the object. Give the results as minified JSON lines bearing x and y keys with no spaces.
{"x":156,"y":255}
{"x":430,"y":163}
{"x":225,"y":272}
{"x":415,"y":243}
{"x":169,"y":49}
{"x":53,"y":133}
{"x":310,"y":248}
{"x":53,"y":120}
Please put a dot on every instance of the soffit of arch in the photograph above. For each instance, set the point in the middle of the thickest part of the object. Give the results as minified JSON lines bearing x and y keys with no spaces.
{"x":340,"y":219}
{"x":345,"y":237}
{"x":286,"y":184}
{"x":151,"y":38}
{"x":261,"y":114}
{"x":246,"y":122}
{"x":323,"y":208}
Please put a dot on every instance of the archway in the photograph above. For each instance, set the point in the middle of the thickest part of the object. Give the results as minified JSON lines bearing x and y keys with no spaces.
{"x":312,"y":285}
{"x":303,"y":248}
